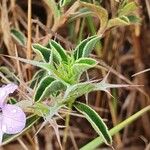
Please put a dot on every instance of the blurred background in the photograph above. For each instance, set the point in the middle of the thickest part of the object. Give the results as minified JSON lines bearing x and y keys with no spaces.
{"x":123,"y":50}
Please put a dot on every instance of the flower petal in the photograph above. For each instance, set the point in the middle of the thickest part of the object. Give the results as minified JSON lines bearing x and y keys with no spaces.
{"x":1,"y":132}
{"x":13,"y":119}
{"x":1,"y":136}
{"x":5,"y":91}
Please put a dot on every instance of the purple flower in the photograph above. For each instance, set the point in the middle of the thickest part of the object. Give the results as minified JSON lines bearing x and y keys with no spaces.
{"x":12,"y":118}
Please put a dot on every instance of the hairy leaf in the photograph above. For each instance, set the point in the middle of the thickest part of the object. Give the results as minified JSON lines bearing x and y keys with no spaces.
{"x":81,"y":65}
{"x":58,"y":51}
{"x":78,"y":90}
{"x":47,"y":87}
{"x":95,"y":120}
{"x":18,"y":36}
{"x":117,"y":22}
{"x":128,"y":9}
{"x":85,"y":47}
{"x":44,"y":52}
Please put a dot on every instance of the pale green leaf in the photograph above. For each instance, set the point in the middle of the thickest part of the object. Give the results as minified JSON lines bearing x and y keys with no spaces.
{"x":117,"y":22}
{"x":79,"y":89}
{"x":128,"y":9}
{"x":81,"y":65}
{"x":41,"y":109}
{"x":42,"y":88}
{"x":100,"y":12}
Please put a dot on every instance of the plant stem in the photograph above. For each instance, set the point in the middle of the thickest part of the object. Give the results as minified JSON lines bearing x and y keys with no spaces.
{"x":67,"y":125}
{"x":98,"y":141}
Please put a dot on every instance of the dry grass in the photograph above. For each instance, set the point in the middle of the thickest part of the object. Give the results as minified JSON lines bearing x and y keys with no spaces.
{"x":125,"y":51}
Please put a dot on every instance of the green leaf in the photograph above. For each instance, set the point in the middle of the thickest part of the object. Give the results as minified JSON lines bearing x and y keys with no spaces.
{"x":100,"y":12}
{"x":37,"y":77}
{"x":125,"y":18}
{"x":85,"y":47}
{"x":42,"y":51}
{"x":134,"y":19}
{"x":79,"y":89}
{"x":63,"y":3}
{"x":42,"y":65}
{"x":81,"y":65}
{"x":18,"y":36}
{"x":117,"y":22}
{"x":47,"y":87}
{"x":47,"y":66}
{"x":95,"y":120}
{"x":58,"y":51}
{"x":128,"y":9}
{"x":9,"y":74}
{"x":12,"y":100}
{"x":83,"y":12}
{"x":86,"y":61}
{"x":42,"y":88}
{"x":41,"y":109}
{"x":31,"y":120}
{"x":98,"y":141}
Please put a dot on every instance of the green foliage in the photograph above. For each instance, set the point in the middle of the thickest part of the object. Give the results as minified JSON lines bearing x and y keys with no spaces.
{"x":126,"y":15}
{"x":85,"y":47}
{"x":100,"y":12}
{"x":98,"y":141}
{"x":18,"y":36}
{"x":58,"y":51}
{"x":81,"y":65}
{"x":47,"y":86}
{"x":64,"y":2}
{"x":58,"y":80}
{"x":95,"y":120}
{"x":41,"y":109}
{"x":78,"y":90}
{"x":127,"y":8}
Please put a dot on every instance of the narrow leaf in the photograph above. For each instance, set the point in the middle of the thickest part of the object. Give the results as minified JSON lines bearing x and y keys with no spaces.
{"x":58,"y":51}
{"x":85,"y":47}
{"x":95,"y":120}
{"x":37,"y":77}
{"x":18,"y":36}
{"x":47,"y":87}
{"x":81,"y":65}
{"x":42,"y":51}
{"x":116,"y":22}
{"x":78,"y":90}
{"x":128,"y":9}
{"x":100,"y":12}
{"x":42,"y":88}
